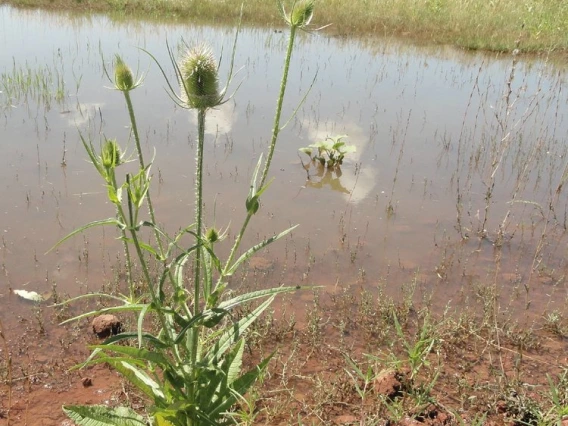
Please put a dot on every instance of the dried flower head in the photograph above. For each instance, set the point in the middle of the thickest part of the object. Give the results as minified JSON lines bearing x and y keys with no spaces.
{"x":199,"y":79}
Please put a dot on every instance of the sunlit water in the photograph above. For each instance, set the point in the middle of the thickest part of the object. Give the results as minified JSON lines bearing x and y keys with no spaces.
{"x":434,"y":129}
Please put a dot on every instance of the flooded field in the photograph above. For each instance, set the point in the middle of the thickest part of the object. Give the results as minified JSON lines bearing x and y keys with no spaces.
{"x":438,"y":246}
{"x":458,"y":181}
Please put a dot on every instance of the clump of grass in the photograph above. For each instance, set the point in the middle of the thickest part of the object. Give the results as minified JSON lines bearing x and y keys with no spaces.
{"x":473,"y":24}
{"x":24,"y":83}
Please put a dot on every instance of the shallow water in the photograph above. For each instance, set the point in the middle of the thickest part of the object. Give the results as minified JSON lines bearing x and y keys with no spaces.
{"x":434,"y":129}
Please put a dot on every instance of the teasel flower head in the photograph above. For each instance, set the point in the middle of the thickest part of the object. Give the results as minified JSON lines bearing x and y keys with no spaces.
{"x":199,"y":79}
{"x":123,"y":78}
{"x":301,"y":14}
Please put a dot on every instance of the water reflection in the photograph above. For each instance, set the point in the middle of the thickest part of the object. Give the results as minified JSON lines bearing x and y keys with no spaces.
{"x":325,"y":177}
{"x":358,"y":177}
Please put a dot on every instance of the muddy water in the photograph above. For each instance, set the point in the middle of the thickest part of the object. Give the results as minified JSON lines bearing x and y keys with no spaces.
{"x":453,"y":186}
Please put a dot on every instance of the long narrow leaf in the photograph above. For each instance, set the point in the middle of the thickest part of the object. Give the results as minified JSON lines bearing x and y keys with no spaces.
{"x":85,"y":296}
{"x":150,"y":338}
{"x":241,"y":386}
{"x":256,"y":248}
{"x":218,"y":380}
{"x":234,"y":333}
{"x":248,"y":297}
{"x":207,"y":315}
{"x":101,"y":415}
{"x":138,"y":378}
{"x":123,"y":308}
{"x":109,"y":221}
{"x":139,"y":354}
{"x":141,"y":323}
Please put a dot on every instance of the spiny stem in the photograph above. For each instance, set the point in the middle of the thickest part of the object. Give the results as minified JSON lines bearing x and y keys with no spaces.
{"x":275,"y":132}
{"x":124,"y":242}
{"x":142,"y":165}
{"x":199,"y":224}
{"x":276,"y":128}
{"x":235,"y":247}
{"x":199,"y":205}
{"x":129,"y":220}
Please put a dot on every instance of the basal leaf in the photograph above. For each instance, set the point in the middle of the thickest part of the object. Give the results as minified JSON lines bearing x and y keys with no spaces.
{"x":137,"y":353}
{"x":233,"y":333}
{"x":101,"y":415}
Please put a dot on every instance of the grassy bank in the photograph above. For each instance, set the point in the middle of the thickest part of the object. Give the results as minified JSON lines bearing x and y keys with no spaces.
{"x":502,"y":25}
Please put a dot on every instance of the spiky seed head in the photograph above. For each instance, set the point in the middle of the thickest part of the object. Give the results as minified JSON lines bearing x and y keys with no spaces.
{"x":123,"y":79}
{"x":199,"y":79}
{"x":110,"y":154}
{"x":302,"y":13}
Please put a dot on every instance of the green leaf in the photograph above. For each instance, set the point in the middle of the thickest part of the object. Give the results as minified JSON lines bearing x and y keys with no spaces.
{"x":146,"y":247}
{"x":153,"y":340}
{"x":256,"y":248}
{"x":233,"y":333}
{"x":217,"y":381}
{"x":252,"y":190}
{"x":100,"y":415}
{"x":161,"y":420}
{"x":123,"y":308}
{"x":109,"y":221}
{"x":337,"y":145}
{"x":140,"y":324}
{"x":136,"y":353}
{"x":138,"y":378}
{"x":209,"y":317}
{"x":94,"y":157}
{"x":248,"y":297}
{"x":241,"y":385}
{"x":235,"y":362}
{"x":306,"y":150}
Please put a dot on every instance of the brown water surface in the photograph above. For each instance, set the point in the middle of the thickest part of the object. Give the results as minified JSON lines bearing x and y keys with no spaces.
{"x":444,"y":139}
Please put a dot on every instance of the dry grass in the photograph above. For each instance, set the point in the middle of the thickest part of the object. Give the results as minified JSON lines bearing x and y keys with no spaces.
{"x":502,"y":25}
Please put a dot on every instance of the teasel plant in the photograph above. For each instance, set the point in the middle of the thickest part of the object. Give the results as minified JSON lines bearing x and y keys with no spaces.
{"x":189,"y":368}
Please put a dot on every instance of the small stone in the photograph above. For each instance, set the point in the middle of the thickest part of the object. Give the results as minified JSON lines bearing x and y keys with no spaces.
{"x":86,"y":382}
{"x":106,"y":325}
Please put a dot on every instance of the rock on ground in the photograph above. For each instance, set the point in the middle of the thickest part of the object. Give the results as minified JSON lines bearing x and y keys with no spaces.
{"x":106,"y":325}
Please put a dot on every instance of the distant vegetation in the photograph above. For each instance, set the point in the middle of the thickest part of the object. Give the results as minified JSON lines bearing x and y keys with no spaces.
{"x":538,"y":26}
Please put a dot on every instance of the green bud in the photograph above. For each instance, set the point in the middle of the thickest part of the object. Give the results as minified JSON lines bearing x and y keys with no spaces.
{"x":123,"y":79}
{"x":252,"y":205}
{"x":212,"y":235}
{"x":110,"y":154}
{"x":199,"y":79}
{"x":302,"y":13}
